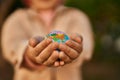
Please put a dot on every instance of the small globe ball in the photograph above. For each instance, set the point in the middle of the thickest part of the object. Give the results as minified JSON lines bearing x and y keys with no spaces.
{"x":58,"y":36}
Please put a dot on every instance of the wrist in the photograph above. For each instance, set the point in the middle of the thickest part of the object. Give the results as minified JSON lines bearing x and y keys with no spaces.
{"x":28,"y":63}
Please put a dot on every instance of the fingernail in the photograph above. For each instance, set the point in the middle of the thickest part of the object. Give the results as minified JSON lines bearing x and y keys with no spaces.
{"x":68,"y":42}
{"x":56,"y":64}
{"x":50,"y":40}
{"x":62,"y":47}
{"x":62,"y":63}
{"x":79,"y":39}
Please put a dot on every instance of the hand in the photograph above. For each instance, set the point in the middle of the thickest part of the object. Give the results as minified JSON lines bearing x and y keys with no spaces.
{"x":42,"y":52}
{"x":71,"y":49}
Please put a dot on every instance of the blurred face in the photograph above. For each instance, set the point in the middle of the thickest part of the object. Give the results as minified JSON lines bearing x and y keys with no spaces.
{"x":44,"y":4}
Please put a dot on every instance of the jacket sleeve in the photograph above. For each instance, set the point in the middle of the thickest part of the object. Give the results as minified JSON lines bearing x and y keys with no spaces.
{"x":14,"y":40}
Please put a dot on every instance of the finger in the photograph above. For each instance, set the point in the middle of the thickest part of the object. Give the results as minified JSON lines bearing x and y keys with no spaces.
{"x":41,"y":46}
{"x":54,"y":56}
{"x":74,"y":45}
{"x":29,"y":53}
{"x":62,"y":63}
{"x":46,"y":53}
{"x":35,"y":40}
{"x":77,"y":38}
{"x":64,"y":57}
{"x":69,"y":51}
{"x":57,"y":64}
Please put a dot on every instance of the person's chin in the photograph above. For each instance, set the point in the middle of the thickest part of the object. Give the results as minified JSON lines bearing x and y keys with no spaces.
{"x":45,"y":7}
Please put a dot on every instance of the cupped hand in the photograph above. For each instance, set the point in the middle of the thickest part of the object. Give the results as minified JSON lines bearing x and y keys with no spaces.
{"x":71,"y":50}
{"x":42,"y":52}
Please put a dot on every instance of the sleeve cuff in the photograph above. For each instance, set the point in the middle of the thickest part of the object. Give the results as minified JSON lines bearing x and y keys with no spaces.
{"x":20,"y":53}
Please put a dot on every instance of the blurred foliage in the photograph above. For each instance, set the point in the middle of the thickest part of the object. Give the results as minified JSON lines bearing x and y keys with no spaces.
{"x":105,"y":18}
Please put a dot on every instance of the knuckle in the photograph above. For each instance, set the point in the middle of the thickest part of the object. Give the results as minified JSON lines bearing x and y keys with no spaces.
{"x":80,"y":49}
{"x":51,"y":45}
{"x":30,"y":53}
{"x":46,"y":41}
{"x":51,"y":61}
{"x":31,"y":57}
{"x":36,"y":50}
{"x":63,"y":57}
{"x":56,"y":54}
{"x":39,"y":60}
{"x":75,"y":55}
{"x":43,"y":57}
{"x":54,"y":45}
{"x":68,"y":50}
{"x":53,"y":58}
{"x":81,"y":37}
{"x":69,"y":61}
{"x":32,"y":42}
{"x":47,"y":63}
{"x":70,"y":42}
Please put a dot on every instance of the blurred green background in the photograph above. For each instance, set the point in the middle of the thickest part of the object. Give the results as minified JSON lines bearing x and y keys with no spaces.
{"x":105,"y":19}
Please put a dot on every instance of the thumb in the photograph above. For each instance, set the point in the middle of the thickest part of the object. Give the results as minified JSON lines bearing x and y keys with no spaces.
{"x":35,"y":40}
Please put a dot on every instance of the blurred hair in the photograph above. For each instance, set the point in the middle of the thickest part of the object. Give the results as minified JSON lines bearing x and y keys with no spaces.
{"x":26,"y":2}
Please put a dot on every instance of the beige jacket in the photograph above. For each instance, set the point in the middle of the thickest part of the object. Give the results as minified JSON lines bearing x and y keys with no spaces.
{"x":24,"y":24}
